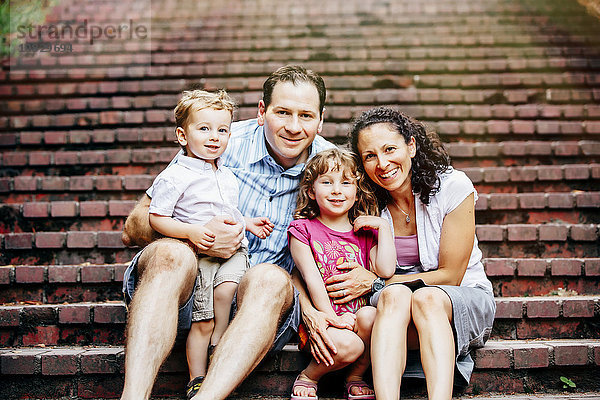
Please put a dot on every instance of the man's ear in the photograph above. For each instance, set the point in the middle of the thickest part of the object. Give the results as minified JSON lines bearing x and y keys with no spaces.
{"x":320,"y":128}
{"x":181,"y":138}
{"x":261,"y":113}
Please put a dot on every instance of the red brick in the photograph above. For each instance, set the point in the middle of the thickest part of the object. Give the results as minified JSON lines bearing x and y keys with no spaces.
{"x":538,"y":148}
{"x":570,"y":354}
{"x":522,"y":174}
{"x":521,"y":127}
{"x":118,"y":156}
{"x":47,"y":335}
{"x":543,"y":308}
{"x":35,"y":210}
{"x":137,"y":182}
{"x":61,"y":362}
{"x":547,"y":127}
{"x":40,"y":158}
{"x":63,"y":273}
{"x":5,"y":185}
{"x":474,"y":127}
{"x":596,"y":350}
{"x":509,"y":308}
{"x":127,"y":135}
{"x":531,"y":267}
{"x":81,"y":183}
{"x":490,"y":233}
{"x":474,"y":174}
{"x":6,"y":272}
{"x":560,"y":200}
{"x":492,"y":356}
{"x":110,"y":240}
{"x":482,"y":202}
{"x":595,"y":171}
{"x":498,"y":127}
{"x":553,"y":232}
{"x":133,"y":117}
{"x":96,"y":274}
{"x":487,"y":149}
{"x":101,"y":361}
{"x":120,"y":208}
{"x":578,"y":308}
{"x":549,"y":173}
{"x":55,"y":137}
{"x":531,"y":200}
{"x":576,"y":172}
{"x":565,"y":148}
{"x":22,"y":361}
{"x":112,"y":183}
{"x":18,"y":240}
{"x":30,"y":138}
{"x":110,"y":314}
{"x":460,"y":150}
{"x":50,"y":240}
{"x":522,"y":233}
{"x":63,"y":209}
{"x":66,"y":158}
{"x":531,"y":355}
{"x":30,"y":274}
{"x":592,"y":127}
{"x":92,"y":208}
{"x":566,"y":267}
{"x":494,"y":174}
{"x":74,"y":314}
{"x":79,"y":137}
{"x":103,"y":136}
{"x":144,"y":156}
{"x":500,"y":201}
{"x":15,"y":159}
{"x":119,"y":272}
{"x":55,"y":183}
{"x":589,"y":147}
{"x":9,"y":316}
{"x":26,"y":183}
{"x":79,"y":240}
{"x":587,"y":199}
{"x":499,"y":267}
{"x":592,"y":267}
{"x":92,"y":157}
{"x":586,"y":233}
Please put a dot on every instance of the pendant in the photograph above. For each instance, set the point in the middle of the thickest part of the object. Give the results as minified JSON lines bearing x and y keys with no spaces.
{"x":407,"y":219}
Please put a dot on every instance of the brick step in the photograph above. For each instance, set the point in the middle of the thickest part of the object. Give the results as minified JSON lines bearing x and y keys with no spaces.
{"x":93,"y":323}
{"x":568,"y":177}
{"x":501,"y":366}
{"x":52,"y":284}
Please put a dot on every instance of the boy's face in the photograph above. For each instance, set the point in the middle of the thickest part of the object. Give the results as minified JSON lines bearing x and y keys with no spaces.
{"x":206,"y":134}
{"x":291,"y":121}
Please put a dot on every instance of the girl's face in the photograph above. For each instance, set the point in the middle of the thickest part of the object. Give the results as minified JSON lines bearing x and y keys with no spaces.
{"x":386,"y":157}
{"x":334,"y":192}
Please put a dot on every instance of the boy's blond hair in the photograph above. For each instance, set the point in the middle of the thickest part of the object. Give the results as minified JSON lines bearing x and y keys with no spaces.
{"x":193,"y":100}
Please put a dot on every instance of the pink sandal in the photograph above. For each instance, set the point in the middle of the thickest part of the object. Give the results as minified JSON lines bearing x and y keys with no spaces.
{"x":358,"y":384}
{"x":306,"y":384}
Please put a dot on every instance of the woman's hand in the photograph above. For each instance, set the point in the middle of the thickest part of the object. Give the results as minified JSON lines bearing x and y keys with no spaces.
{"x":349,"y":285}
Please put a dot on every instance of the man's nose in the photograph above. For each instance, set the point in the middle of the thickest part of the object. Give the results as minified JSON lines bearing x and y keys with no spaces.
{"x":293,"y":124}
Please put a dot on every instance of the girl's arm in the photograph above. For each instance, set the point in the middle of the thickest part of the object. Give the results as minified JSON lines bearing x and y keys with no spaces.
{"x":305,"y":263}
{"x":456,"y":244}
{"x":382,"y":257}
{"x":202,"y":237}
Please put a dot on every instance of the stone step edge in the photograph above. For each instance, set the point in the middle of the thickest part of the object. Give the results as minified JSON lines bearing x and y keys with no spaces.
{"x":115,"y":312}
{"x":497,"y":354}
{"x":107,"y":273}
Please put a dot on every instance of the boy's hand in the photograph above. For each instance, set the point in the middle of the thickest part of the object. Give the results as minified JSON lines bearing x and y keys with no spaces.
{"x":369,"y":221}
{"x":260,"y":226}
{"x":202,"y":237}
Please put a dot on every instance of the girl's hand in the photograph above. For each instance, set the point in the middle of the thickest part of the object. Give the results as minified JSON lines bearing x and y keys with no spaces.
{"x":202,"y":237}
{"x":369,"y":221}
{"x":260,"y":227}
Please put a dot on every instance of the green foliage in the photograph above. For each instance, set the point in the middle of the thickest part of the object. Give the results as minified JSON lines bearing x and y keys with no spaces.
{"x":567,"y":383}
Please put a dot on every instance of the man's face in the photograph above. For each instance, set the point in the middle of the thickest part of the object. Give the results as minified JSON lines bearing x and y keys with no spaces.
{"x":291,"y":122}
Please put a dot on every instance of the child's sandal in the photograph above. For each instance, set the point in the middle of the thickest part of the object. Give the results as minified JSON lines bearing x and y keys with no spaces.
{"x":306,"y":384}
{"x":358,"y":384}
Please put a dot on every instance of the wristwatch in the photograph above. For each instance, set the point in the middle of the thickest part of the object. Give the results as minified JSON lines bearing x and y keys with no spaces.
{"x":377,"y":285}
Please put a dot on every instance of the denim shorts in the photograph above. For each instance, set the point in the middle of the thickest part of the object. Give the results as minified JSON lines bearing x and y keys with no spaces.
{"x":473,"y":311}
{"x":285,"y":331}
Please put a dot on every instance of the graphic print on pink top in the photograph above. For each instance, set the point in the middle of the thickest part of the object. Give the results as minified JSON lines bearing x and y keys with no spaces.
{"x":331,"y":248}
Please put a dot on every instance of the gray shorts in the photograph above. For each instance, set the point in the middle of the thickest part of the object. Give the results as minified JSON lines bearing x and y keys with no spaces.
{"x":285,"y":331}
{"x":473,"y":311}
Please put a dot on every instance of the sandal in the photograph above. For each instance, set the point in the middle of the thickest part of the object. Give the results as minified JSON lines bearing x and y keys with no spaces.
{"x":359,"y":384}
{"x":306,"y":384}
{"x":193,"y":387}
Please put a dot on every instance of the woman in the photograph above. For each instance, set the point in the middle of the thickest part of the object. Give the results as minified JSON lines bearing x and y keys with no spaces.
{"x":440,"y":301}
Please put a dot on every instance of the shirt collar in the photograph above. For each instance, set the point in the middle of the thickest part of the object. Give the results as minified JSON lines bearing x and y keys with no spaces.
{"x":196,"y":163}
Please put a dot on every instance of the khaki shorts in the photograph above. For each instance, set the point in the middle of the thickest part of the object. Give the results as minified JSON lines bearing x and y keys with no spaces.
{"x":212,"y":272}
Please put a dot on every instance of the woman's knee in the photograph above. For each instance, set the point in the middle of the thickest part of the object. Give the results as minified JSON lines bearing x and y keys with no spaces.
{"x":429,"y":301}
{"x":394,"y":298}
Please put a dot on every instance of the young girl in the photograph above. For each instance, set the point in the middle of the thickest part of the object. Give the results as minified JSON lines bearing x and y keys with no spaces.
{"x":335,"y":223}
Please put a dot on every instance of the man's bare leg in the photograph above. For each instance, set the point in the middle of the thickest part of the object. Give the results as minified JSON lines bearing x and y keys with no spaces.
{"x":167,"y":269}
{"x":264,"y":295}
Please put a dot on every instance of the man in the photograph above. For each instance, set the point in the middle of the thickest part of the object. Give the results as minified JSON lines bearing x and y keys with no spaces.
{"x":267,"y":155}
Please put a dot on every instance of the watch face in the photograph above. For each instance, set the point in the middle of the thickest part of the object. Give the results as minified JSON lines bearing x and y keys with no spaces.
{"x":378,"y":285}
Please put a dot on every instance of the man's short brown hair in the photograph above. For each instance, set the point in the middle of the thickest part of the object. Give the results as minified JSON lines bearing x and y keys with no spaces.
{"x":294,"y":74}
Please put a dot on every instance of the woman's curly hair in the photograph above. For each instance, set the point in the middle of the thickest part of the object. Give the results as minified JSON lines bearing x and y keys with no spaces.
{"x":431,"y":158}
{"x":334,"y":160}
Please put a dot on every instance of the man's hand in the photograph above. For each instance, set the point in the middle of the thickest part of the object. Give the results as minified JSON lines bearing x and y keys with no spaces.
{"x":350,"y":319}
{"x":228,"y":236}
{"x":349,"y":285}
{"x":321,"y":344}
{"x":260,"y":227}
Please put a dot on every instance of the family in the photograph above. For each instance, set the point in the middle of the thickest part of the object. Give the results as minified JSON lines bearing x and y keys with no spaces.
{"x":367,"y":257}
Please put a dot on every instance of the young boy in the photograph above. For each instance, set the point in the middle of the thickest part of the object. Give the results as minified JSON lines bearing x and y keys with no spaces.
{"x":194,"y":188}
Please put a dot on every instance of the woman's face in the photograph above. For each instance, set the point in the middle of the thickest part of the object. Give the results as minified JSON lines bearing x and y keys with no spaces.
{"x":386,"y":157}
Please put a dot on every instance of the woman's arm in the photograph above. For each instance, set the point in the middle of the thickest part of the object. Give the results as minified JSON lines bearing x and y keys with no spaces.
{"x":456,"y":245}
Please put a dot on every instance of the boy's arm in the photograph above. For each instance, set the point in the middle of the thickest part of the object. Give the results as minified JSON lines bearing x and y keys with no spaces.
{"x":202,"y":237}
{"x":305,"y":262}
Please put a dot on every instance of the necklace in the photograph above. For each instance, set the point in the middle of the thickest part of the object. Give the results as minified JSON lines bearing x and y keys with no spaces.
{"x":401,"y":210}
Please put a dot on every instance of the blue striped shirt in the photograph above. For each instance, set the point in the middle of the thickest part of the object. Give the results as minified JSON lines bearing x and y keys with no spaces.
{"x":266,"y":189}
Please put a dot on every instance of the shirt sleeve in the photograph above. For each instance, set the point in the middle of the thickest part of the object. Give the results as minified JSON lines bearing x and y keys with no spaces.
{"x":165,"y":197}
{"x":455,"y":188}
{"x":299,"y":230}
{"x":150,"y":190}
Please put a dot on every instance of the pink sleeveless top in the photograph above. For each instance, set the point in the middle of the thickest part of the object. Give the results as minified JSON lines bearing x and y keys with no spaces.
{"x":407,"y":250}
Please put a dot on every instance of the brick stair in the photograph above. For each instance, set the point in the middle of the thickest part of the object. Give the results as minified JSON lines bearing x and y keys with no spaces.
{"x":511,"y":86}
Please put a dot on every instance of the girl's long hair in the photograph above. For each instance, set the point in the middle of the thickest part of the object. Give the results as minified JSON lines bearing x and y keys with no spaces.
{"x":431,"y":158}
{"x":335,"y":160}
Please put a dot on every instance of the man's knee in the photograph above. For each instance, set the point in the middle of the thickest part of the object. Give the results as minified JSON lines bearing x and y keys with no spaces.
{"x":167,"y":255}
{"x":269,"y":278}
